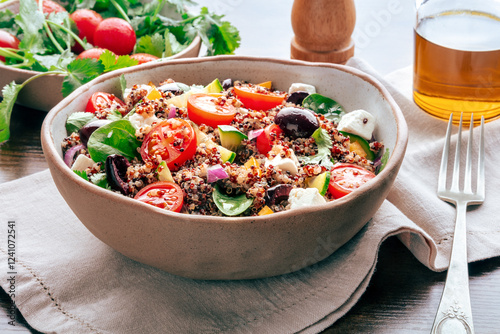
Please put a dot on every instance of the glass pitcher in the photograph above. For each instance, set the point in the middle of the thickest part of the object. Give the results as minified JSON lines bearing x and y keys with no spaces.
{"x":457,"y":58}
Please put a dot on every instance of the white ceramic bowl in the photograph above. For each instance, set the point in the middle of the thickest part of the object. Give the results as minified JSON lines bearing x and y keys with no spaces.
{"x":45,"y":92}
{"x":208,"y":247}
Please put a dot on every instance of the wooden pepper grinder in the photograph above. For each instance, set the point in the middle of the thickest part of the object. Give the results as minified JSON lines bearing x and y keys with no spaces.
{"x":323,"y":30}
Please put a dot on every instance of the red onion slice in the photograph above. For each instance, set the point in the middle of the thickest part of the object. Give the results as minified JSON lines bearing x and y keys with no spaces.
{"x":172,"y":112}
{"x":70,"y":154}
{"x":254,"y":134}
{"x":216,"y":172}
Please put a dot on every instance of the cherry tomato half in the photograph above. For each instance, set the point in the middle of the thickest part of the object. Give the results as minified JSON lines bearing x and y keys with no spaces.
{"x":49,"y":6}
{"x":116,"y":35}
{"x":86,"y":21}
{"x":210,"y":110}
{"x":172,"y":141}
{"x":92,"y":54}
{"x":143,"y":57}
{"x":100,"y":100}
{"x":164,"y":195}
{"x":257,"y":97}
{"x":347,"y":177}
{"x":8,"y":40}
{"x":266,"y":138}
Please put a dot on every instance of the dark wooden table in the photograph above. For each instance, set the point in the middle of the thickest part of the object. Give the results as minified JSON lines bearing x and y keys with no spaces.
{"x":403,"y":295}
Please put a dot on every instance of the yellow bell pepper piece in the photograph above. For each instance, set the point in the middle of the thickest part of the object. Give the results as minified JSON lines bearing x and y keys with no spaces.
{"x":265,"y":211}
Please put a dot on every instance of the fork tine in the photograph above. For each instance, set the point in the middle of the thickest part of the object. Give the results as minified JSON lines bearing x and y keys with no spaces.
{"x":468,"y":160}
{"x":444,"y":158}
{"x":480,"y":166}
{"x":456,"y":168}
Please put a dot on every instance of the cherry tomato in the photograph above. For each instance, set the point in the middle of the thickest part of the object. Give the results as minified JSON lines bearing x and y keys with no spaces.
{"x":86,"y":21}
{"x":51,"y":7}
{"x":172,"y":141}
{"x":210,"y":110}
{"x":143,"y":57}
{"x":266,"y":138}
{"x":347,"y":177}
{"x":91,"y":53}
{"x":8,"y":40}
{"x":100,"y":100}
{"x":164,"y":195}
{"x":257,"y":97}
{"x":116,"y":35}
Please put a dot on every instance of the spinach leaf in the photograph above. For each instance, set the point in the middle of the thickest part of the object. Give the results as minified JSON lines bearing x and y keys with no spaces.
{"x":117,"y":137}
{"x":77,"y":120}
{"x":229,"y":205}
{"x":322,"y":104}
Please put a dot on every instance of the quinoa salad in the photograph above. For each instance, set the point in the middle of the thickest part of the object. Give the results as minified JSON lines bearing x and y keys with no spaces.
{"x":227,"y":148}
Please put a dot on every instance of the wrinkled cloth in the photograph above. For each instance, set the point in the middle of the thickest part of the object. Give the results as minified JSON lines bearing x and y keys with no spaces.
{"x":67,"y":281}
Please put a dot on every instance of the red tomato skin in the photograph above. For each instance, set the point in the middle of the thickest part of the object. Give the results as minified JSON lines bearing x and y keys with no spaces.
{"x":175,"y":157}
{"x":8,"y":40}
{"x":49,"y":6}
{"x":86,"y":21}
{"x":265,"y":139}
{"x":258,"y":101}
{"x":174,"y":193}
{"x":143,"y":57}
{"x":91,"y":53}
{"x":116,"y":35}
{"x":197,"y":111}
{"x":337,"y":190}
{"x":100,"y":100}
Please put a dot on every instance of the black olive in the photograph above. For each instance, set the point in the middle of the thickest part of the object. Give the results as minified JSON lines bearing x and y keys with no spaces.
{"x":297,"y":122}
{"x":116,"y":172}
{"x":226,"y":84}
{"x":171,"y":87}
{"x":89,"y":128}
{"x":297,"y":97}
{"x":277,"y":194}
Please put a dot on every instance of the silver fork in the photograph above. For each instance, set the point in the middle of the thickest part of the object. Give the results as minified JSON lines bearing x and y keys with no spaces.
{"x":454,"y":311}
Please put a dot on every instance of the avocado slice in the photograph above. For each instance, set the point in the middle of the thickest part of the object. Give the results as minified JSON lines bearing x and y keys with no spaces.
{"x":359,"y":145}
{"x":230,"y":137}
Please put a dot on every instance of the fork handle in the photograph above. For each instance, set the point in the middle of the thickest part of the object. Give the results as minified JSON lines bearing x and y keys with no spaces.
{"x":454,"y":313}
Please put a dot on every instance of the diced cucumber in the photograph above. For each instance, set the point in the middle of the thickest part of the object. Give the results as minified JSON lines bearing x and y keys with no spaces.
{"x":320,"y":182}
{"x":230,"y":137}
{"x":163,"y":172}
{"x":213,"y":87}
{"x":201,"y":137}
{"x":226,"y":155}
{"x":359,"y":146}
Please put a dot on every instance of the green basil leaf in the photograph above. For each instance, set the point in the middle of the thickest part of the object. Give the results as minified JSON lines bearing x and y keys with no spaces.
{"x":229,"y":205}
{"x":322,"y":104}
{"x":77,"y":120}
{"x":117,"y":137}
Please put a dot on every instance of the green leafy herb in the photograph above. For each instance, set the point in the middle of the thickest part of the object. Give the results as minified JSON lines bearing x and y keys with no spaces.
{"x":77,"y":120}
{"x":324,"y":155}
{"x":100,"y":179}
{"x":117,"y":137}
{"x":79,"y":72}
{"x":322,"y":104}
{"x":9,"y":93}
{"x":231,"y":205}
{"x":82,"y":174}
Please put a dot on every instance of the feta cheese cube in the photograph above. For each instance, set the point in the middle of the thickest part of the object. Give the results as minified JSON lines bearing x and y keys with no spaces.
{"x":358,"y":122}
{"x":138,"y":121}
{"x":301,"y":87}
{"x":300,"y":197}
{"x":82,"y":162}
{"x":285,"y":164}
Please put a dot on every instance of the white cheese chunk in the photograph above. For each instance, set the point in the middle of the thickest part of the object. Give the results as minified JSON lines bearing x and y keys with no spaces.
{"x":82,"y":162}
{"x":358,"y":122}
{"x":301,"y":87}
{"x":285,"y":164}
{"x":138,"y":121}
{"x":300,"y":197}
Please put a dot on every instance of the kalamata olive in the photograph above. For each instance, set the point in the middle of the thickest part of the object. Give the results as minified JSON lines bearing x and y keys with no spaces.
{"x":277,"y":194}
{"x":226,"y":84}
{"x":89,"y":128}
{"x":116,"y":172}
{"x":171,"y":87}
{"x":296,"y":122}
{"x":297,"y":97}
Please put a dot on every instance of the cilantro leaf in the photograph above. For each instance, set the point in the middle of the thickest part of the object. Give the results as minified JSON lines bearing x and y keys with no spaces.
{"x":324,"y":155}
{"x":31,"y":21}
{"x":154,"y":45}
{"x":111,"y":62}
{"x":9,"y":93}
{"x":82,"y":174}
{"x":81,"y":71}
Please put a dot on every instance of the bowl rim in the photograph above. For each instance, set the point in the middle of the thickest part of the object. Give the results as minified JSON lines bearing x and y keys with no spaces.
{"x":196,"y":43}
{"x":57,"y":161}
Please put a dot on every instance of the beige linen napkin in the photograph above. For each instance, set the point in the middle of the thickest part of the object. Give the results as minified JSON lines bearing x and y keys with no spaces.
{"x":67,"y":281}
